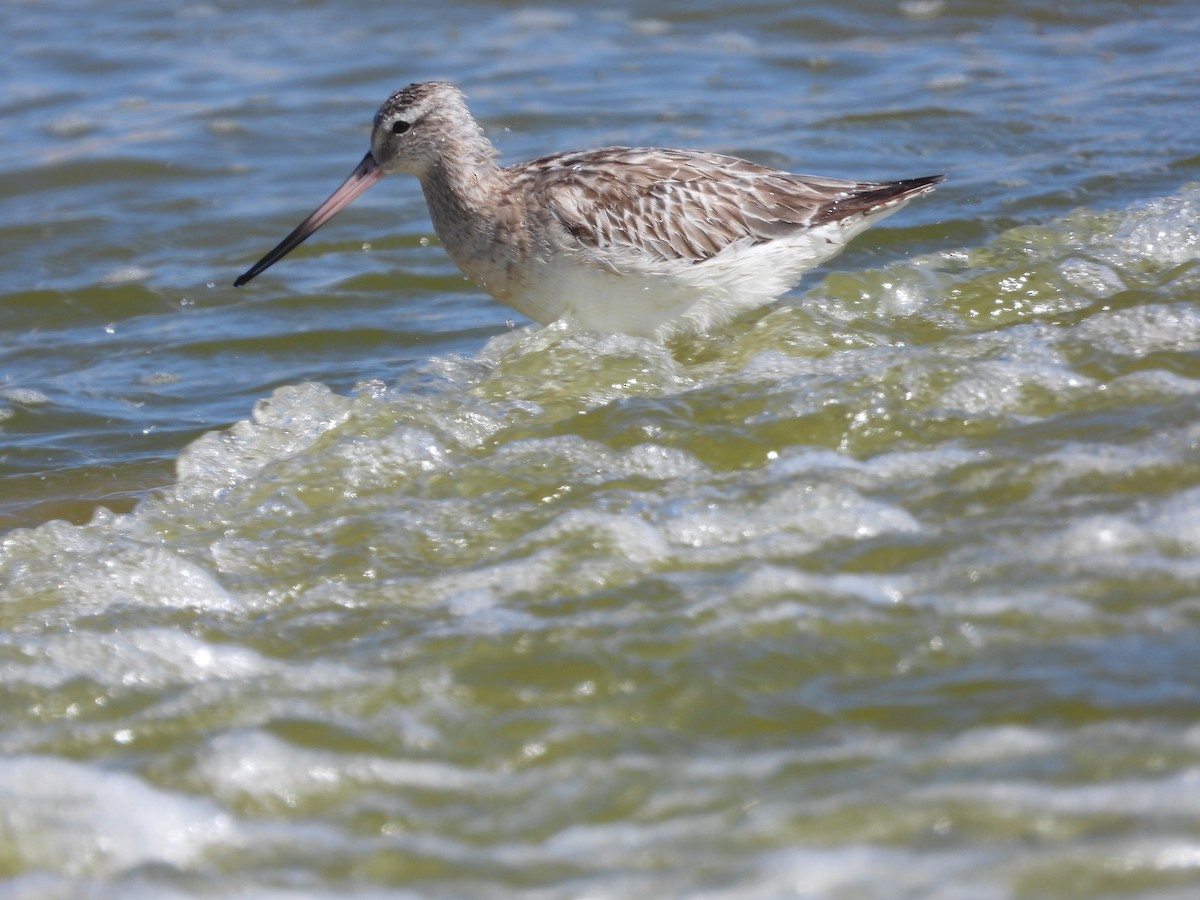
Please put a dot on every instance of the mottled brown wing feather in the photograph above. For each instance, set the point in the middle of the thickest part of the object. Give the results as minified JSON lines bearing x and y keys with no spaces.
{"x":688,"y":205}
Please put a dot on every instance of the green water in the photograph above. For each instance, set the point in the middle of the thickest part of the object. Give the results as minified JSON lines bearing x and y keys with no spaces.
{"x":348,"y":586}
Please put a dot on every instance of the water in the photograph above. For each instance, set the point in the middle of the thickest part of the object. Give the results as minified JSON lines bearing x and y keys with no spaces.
{"x":350,"y":583}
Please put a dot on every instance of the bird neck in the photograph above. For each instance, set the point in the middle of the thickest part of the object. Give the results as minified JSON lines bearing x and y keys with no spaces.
{"x":459,"y":185}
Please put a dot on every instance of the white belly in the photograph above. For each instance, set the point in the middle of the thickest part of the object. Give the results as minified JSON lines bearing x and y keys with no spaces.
{"x":662,"y":299}
{"x":622,"y":290}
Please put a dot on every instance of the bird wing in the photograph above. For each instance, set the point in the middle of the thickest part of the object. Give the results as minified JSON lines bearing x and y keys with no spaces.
{"x":679,"y":205}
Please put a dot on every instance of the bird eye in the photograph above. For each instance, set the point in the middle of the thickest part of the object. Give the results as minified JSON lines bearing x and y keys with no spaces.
{"x":400,"y":126}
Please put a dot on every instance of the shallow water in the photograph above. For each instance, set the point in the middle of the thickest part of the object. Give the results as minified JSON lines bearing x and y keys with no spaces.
{"x":890,"y":590}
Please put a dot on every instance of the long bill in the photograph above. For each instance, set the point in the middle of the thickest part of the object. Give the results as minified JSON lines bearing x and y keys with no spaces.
{"x":365,"y":174}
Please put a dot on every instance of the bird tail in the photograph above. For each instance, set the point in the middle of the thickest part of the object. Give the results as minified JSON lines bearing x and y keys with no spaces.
{"x":873,"y":197}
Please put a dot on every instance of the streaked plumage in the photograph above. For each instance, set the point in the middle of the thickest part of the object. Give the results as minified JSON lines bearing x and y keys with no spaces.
{"x":637,"y":240}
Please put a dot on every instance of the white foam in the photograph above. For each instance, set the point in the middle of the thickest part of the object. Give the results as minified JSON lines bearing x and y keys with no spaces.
{"x":867,"y":872}
{"x":765,"y":582}
{"x":145,"y":658}
{"x":1164,"y":231}
{"x":625,"y":536}
{"x":125,"y":275}
{"x":1009,"y":372}
{"x":1091,"y":277}
{"x":80,"y":818}
{"x":1142,"y":330}
{"x":578,"y":461}
{"x":1003,"y":743}
{"x":283,"y":425}
{"x":1153,"y":385}
{"x":1175,"y":796}
{"x":363,"y":463}
{"x":99,"y":567}
{"x":790,"y":518}
{"x":255,"y":765}
{"x":24,"y":396}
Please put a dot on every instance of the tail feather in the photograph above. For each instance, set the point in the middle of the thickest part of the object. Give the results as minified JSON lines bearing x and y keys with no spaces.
{"x":877,"y":196}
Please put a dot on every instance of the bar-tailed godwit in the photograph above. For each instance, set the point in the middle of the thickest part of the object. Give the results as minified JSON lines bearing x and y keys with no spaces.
{"x":644,"y":241}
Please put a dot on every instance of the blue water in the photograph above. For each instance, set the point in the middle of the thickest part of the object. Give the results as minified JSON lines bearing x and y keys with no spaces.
{"x":354,"y":583}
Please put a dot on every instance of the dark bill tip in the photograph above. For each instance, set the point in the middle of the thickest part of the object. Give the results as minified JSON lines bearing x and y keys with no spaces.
{"x":365,"y":175}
